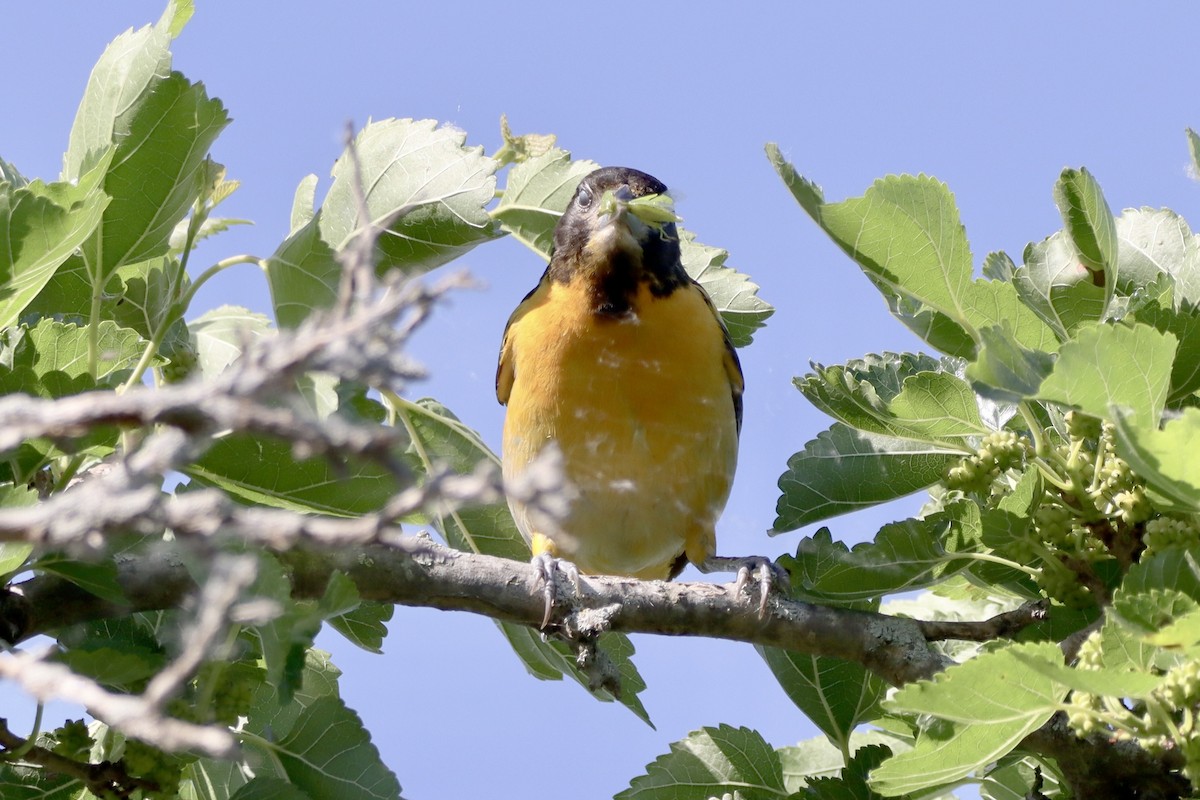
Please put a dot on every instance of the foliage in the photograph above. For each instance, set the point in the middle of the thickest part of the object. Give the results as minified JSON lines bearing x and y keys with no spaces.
{"x":1055,"y":432}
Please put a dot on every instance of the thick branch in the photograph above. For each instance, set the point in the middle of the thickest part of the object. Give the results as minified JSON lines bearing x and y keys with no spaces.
{"x":426,"y":574}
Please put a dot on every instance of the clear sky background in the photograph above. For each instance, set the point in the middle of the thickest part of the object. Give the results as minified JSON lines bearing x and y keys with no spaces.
{"x":992,"y":98}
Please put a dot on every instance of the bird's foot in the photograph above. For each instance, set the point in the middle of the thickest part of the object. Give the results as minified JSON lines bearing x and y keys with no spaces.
{"x":548,"y":568}
{"x":768,"y":574}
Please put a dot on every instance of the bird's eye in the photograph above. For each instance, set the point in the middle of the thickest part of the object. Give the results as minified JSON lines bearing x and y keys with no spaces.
{"x":584,"y":198}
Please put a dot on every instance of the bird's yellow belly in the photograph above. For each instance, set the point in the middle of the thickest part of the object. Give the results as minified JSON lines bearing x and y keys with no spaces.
{"x":642,"y":411}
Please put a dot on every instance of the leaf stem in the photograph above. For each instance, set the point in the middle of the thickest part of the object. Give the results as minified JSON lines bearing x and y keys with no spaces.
{"x":175,"y":313}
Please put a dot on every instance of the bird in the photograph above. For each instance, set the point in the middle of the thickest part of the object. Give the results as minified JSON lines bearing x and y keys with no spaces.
{"x":619,"y":360}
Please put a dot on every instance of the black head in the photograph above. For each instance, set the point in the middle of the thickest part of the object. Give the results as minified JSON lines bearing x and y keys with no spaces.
{"x":608,"y":243}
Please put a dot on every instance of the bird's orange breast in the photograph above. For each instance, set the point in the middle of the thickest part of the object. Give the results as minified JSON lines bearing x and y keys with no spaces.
{"x":642,"y":409}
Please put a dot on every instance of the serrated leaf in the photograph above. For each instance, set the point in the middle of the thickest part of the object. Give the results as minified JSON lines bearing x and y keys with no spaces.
{"x":844,"y":470}
{"x":51,"y":360}
{"x":1058,"y":287}
{"x":328,"y":753}
{"x":999,"y":266}
{"x":1154,"y":242}
{"x":1116,"y":683}
{"x":1184,"y":324}
{"x":711,"y":762}
{"x":836,"y":695}
{"x":1165,"y":459}
{"x":127,"y":70}
{"x":261,"y":471}
{"x":42,"y":226}
{"x":536,"y":194}
{"x":991,"y":303}
{"x":1088,"y":221}
{"x":220,"y":335}
{"x":161,"y":145}
{"x":904,"y":233}
{"x":733,"y":294}
{"x":11,"y":175}
{"x":818,"y":758}
{"x":422,"y":182}
{"x":1113,"y":365}
{"x":143,"y":295}
{"x":1005,"y":370}
{"x":1175,"y":568}
{"x":985,"y":707}
{"x":904,"y":556}
{"x":274,"y":716}
{"x":364,"y":626}
{"x":851,"y":783}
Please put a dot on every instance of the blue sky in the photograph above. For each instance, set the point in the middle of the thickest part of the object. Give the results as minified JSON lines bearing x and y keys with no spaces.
{"x":994,"y":99}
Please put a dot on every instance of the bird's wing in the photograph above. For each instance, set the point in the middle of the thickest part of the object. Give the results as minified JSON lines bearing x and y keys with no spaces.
{"x":506,"y":371}
{"x":733,"y":366}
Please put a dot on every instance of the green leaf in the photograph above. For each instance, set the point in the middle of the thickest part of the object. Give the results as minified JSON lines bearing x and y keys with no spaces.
{"x":999,"y":266}
{"x":441,"y":441}
{"x":932,"y":406}
{"x":1013,"y":779}
{"x":161,"y":145}
{"x":364,"y":626}
{"x":219,"y":336}
{"x":1005,"y":370}
{"x":1058,"y":287}
{"x":121,"y":669}
{"x":1156,"y":242}
{"x":536,"y":194}
{"x":11,"y":175}
{"x":836,"y":695}
{"x":423,"y":184}
{"x":852,"y":783}
{"x":51,"y":360}
{"x":991,"y":303}
{"x":304,"y":204}
{"x":14,"y":554}
{"x":266,"y":472}
{"x":98,"y":578}
{"x":143,"y":295}
{"x":129,"y":68}
{"x":711,"y":762}
{"x":1089,"y":223}
{"x":23,"y":783}
{"x":1165,"y":459}
{"x":265,"y":788}
{"x":328,"y":753}
{"x":1113,"y":365}
{"x":1184,"y":324}
{"x":985,"y":707}
{"x":818,"y":758}
{"x":844,"y":470}
{"x":904,"y":556}
{"x":1116,"y":683}
{"x":209,"y":779}
{"x":42,"y":225}
{"x":273,"y":716}
{"x":904,"y":232}
{"x":733,"y":294}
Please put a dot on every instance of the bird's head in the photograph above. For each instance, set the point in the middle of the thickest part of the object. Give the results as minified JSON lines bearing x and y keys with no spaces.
{"x":619,"y":219}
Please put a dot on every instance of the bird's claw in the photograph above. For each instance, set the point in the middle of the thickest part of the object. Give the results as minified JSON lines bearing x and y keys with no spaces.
{"x":768,"y":574}
{"x":548,"y":568}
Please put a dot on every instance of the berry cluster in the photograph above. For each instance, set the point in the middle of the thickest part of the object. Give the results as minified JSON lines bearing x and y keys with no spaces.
{"x":1165,"y":720}
{"x":999,"y":452}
